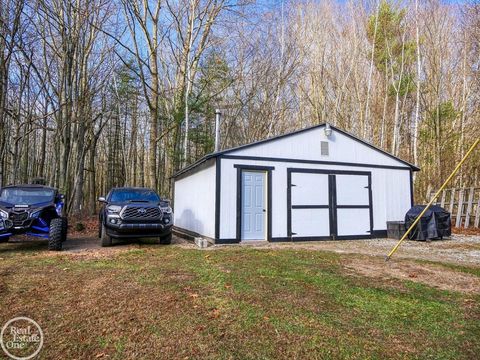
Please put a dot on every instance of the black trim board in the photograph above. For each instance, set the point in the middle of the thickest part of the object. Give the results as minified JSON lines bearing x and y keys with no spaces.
{"x":370,"y":199}
{"x":227,"y":241}
{"x":269,"y":202}
{"x":238,"y":213}
{"x":353,"y":206}
{"x":377,"y":234}
{"x":268,"y":170}
{"x":310,"y":206}
{"x":319,"y":238}
{"x":354,"y":237}
{"x":294,"y":239}
{"x":412,"y":196}
{"x":218,"y":186}
{"x":289,"y":204}
{"x":214,"y":155}
{"x":328,"y":172}
{"x":332,"y":201}
{"x":253,"y":167}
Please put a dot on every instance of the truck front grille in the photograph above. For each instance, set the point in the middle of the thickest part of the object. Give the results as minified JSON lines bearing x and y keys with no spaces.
{"x":18,"y":217}
{"x":141,"y":213}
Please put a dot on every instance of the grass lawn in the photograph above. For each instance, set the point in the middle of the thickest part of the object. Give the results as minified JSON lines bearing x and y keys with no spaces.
{"x":233,"y":303}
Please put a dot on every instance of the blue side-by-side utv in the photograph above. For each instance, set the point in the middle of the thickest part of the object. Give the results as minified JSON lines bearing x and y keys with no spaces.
{"x":34,"y":210}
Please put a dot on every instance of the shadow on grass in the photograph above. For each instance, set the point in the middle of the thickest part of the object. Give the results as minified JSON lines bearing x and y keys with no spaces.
{"x":23,"y":245}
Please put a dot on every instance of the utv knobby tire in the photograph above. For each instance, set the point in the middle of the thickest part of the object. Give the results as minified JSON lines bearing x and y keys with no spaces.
{"x":105,"y":239}
{"x":56,"y":234}
{"x":166,"y":240}
{"x":64,"y":229}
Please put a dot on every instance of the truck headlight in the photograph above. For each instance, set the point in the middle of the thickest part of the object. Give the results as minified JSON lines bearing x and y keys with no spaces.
{"x":36,"y":214}
{"x":166,"y":210}
{"x":114,"y":209}
{"x":3,"y":215}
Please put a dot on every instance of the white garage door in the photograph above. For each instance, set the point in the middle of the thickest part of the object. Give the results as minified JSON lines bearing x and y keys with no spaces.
{"x":329,"y":204}
{"x":352,"y":205}
{"x":310,"y":214}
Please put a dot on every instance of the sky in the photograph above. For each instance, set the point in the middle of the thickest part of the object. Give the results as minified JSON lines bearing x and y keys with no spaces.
{"x":279,"y":2}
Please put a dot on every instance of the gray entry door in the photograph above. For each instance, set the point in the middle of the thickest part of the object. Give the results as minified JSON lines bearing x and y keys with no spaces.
{"x":253,"y":205}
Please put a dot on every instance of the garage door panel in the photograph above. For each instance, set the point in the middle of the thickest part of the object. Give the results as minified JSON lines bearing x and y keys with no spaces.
{"x":352,"y":190}
{"x":309,"y":189}
{"x":353,"y":222}
{"x":310,"y":222}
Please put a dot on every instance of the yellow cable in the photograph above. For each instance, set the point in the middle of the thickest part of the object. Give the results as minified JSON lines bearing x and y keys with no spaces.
{"x":433,"y":199}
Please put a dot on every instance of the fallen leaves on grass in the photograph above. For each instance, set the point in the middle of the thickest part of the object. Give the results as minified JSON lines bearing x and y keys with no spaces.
{"x":468,"y":231}
{"x":215,"y":313}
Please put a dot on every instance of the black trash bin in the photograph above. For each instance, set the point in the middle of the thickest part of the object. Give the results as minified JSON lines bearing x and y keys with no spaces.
{"x":435,"y":223}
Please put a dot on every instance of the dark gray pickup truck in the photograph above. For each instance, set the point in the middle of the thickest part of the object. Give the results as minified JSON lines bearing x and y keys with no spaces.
{"x":130,"y":212}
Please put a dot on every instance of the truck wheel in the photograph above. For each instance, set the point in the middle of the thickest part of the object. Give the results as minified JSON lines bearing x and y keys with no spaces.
{"x":166,"y":240}
{"x":105,"y":239}
{"x":64,"y":229}
{"x":56,"y":234}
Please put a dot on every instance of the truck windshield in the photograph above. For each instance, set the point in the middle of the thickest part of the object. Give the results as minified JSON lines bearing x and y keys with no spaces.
{"x":134,"y":195}
{"x":25,"y":196}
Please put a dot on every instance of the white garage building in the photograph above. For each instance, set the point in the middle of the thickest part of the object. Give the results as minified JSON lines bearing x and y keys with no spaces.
{"x":318,"y":183}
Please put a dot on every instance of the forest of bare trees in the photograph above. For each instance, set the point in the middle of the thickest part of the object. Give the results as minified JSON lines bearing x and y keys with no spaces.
{"x":102,"y":93}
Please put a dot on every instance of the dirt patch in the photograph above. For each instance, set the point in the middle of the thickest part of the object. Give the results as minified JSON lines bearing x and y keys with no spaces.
{"x":468,"y":231}
{"x":431,"y":275}
{"x":87,"y":246}
{"x":83,"y":245}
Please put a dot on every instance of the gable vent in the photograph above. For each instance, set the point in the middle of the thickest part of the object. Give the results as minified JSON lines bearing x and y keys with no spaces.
{"x":324,"y":148}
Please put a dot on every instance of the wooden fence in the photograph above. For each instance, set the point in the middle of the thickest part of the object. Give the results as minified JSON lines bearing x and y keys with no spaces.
{"x":462,"y":203}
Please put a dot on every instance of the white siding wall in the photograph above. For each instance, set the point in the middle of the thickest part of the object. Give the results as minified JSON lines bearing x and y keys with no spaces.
{"x":390,"y":193}
{"x":194,"y":202}
{"x":306,"y":146}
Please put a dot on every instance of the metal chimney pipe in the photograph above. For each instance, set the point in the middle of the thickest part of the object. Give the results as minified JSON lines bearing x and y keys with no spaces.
{"x":217,"y":129}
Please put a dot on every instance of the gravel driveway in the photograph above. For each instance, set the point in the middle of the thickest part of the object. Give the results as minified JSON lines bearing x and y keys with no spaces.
{"x":459,"y":249}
